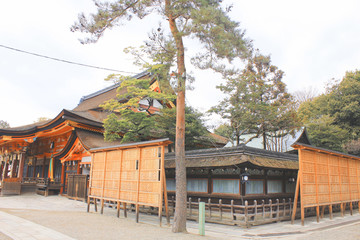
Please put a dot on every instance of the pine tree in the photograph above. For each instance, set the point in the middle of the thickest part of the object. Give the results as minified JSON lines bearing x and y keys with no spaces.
{"x":204,"y":20}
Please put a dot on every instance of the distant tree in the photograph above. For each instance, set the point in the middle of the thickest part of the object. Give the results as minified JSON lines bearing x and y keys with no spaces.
{"x":344,"y":103}
{"x":4,"y":124}
{"x":304,"y":95}
{"x":225,"y":130}
{"x":324,"y":133}
{"x":204,"y":20}
{"x":257,"y":102}
{"x":333,"y":117}
{"x":42,"y":119}
{"x":353,"y":147}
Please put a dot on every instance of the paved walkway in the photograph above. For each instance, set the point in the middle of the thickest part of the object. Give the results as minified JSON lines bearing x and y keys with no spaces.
{"x":19,"y":228}
{"x":14,"y":210}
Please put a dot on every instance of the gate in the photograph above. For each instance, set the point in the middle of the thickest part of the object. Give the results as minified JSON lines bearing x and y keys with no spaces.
{"x":77,"y":186}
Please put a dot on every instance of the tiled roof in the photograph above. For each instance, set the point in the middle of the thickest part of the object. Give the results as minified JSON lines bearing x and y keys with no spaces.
{"x":235,"y":156}
{"x":93,"y":100}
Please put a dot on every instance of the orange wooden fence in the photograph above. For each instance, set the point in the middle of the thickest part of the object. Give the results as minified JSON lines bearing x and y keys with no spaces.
{"x":129,"y":174}
{"x":326,"y":178}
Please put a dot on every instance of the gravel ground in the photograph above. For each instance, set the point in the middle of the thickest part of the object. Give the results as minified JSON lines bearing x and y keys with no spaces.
{"x":70,"y":217}
{"x":4,"y":237}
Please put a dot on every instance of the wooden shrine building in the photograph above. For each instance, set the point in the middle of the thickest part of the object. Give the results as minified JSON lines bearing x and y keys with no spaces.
{"x":49,"y":154}
{"x":236,"y":173}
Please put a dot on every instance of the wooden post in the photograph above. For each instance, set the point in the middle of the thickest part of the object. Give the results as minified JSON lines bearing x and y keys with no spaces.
{"x":173,"y":204}
{"x":297,"y":189}
{"x":62,"y":178}
{"x":330,"y":192}
{"x":220,"y":209}
{"x":290,"y":207}
{"x":317,"y":214}
{"x":21,"y":166}
{"x":138,"y":186}
{"x":340,"y":184}
{"x":315,"y":160}
{"x":125,"y":209}
{"x":255,"y":205}
{"x":202,"y":218}
{"x":103,"y":185}
{"x":118,"y":190}
{"x":209,"y":204}
{"x":263,"y":208}
{"x":246,"y":213}
{"x":189,"y":206}
{"x":232,"y":209}
{"x":322,"y":211}
{"x":164,"y":189}
{"x":284,"y":207}
{"x":198,"y":205}
{"x":88,"y":204}
{"x":271,"y":209}
{"x":278,"y":210}
{"x":43,"y":168}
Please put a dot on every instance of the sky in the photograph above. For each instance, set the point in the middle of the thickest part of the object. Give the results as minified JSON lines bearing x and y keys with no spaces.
{"x":311,"y":41}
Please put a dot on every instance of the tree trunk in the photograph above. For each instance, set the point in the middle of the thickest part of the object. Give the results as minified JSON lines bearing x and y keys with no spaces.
{"x":179,"y":224}
{"x":264,"y":140}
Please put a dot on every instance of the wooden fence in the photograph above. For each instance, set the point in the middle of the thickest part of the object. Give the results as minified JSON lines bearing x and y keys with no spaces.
{"x":242,"y":215}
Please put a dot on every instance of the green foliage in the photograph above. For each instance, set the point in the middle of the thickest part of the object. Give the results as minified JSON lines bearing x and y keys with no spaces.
{"x":130,"y":127}
{"x":344,"y":103}
{"x":196,"y":134}
{"x":323,"y":133}
{"x":225,"y":130}
{"x":336,"y":112}
{"x":4,"y":124}
{"x":204,"y":20}
{"x":257,"y":102}
{"x":42,"y":119}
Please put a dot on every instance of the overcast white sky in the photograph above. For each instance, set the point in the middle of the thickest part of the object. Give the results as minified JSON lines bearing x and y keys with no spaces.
{"x":311,"y":41}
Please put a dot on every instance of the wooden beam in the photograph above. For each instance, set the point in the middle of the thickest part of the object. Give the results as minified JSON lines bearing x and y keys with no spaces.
{"x":297,"y":189}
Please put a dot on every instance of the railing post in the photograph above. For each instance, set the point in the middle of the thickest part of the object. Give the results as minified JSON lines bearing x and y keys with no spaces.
{"x":232,"y":209}
{"x":173,"y":205}
{"x":278,"y":210}
{"x":198,"y":206}
{"x":271,"y":210}
{"x":263,"y":208}
{"x":209,"y":204}
{"x":189,"y":206}
{"x":290,"y":207}
{"x":284,"y":207}
{"x":246,"y":213}
{"x":255,"y":205}
{"x":220,"y":209}
{"x":201,"y":218}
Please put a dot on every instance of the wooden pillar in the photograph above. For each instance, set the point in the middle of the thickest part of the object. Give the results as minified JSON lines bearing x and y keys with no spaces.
{"x":295,"y":198}
{"x":78,"y":167}
{"x":5,"y":167}
{"x":62,"y":178}
{"x":43,"y":168}
{"x":34,"y":163}
{"x":21,"y":166}
{"x":13,"y":165}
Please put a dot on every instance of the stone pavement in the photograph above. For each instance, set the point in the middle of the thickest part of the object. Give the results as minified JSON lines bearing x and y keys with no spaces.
{"x":19,"y":228}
